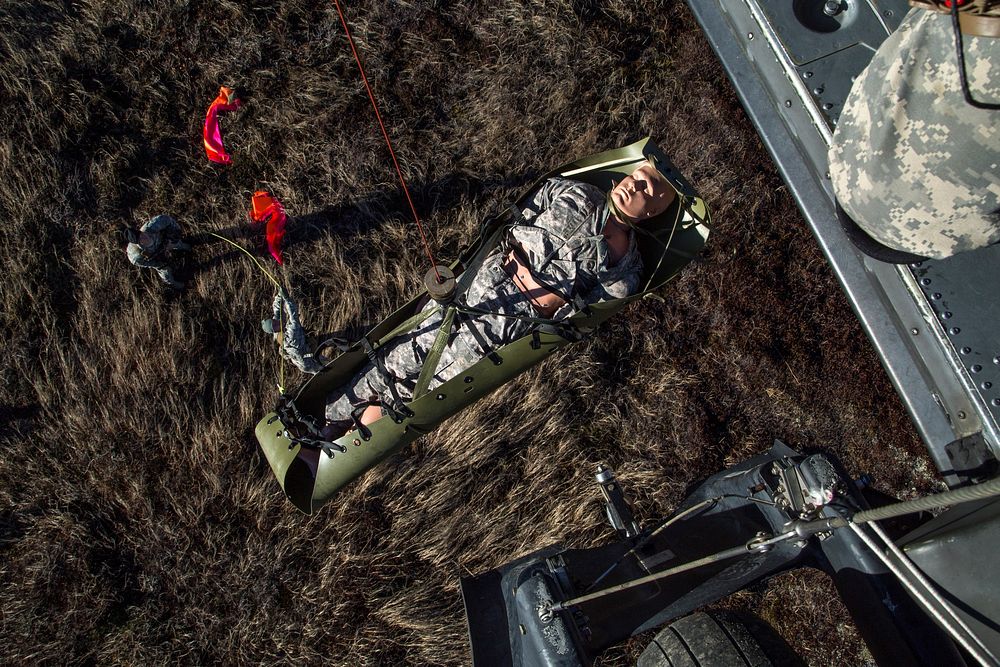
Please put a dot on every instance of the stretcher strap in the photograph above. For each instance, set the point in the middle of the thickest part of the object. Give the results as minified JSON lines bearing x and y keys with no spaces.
{"x":682,"y":206}
{"x":410,"y":323}
{"x":536,"y":340}
{"x":481,"y":341}
{"x":356,"y":412}
{"x":434,"y":354}
{"x":469,"y":274}
{"x":390,"y":380}
{"x":288,"y":413}
{"x":577,"y":300}
{"x":554,"y":324}
{"x":581,"y":304}
{"x":547,"y":259}
{"x":342,"y":345}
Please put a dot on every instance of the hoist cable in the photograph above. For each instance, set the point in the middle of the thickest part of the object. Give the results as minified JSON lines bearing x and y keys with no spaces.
{"x":388,"y":142}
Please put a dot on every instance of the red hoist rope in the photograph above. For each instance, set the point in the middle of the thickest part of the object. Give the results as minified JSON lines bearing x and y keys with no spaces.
{"x":388,"y":143}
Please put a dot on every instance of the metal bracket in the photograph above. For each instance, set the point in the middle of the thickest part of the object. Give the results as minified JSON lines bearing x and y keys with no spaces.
{"x":616,"y":508}
{"x":972,"y":459}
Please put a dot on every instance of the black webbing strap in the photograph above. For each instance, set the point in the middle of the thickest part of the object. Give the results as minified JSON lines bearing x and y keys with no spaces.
{"x":356,"y":412}
{"x":682,"y":206}
{"x":325,"y":446}
{"x":387,"y":377}
{"x":358,"y":409}
{"x":315,"y":438}
{"x":577,"y":300}
{"x":562,"y":329}
{"x":500,"y":219}
{"x":536,"y":339}
{"x":288,"y":411}
{"x":541,"y":321}
{"x":469,"y":274}
{"x":342,"y":345}
{"x":481,"y":341}
{"x":517,"y":215}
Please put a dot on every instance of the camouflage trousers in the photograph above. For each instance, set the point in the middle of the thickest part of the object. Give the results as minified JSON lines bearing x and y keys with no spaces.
{"x":491,"y":290}
{"x":293,"y":339}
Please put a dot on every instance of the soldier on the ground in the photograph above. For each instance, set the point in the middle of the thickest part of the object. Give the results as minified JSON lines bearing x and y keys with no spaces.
{"x":151,"y":245}
{"x":285,"y":326}
{"x":575,"y":246}
{"x":913,"y":162}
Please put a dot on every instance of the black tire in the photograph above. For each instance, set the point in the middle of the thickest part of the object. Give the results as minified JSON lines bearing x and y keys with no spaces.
{"x":716,"y":639}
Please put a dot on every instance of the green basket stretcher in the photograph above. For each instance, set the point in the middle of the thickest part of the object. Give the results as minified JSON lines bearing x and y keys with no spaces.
{"x":667,"y":243}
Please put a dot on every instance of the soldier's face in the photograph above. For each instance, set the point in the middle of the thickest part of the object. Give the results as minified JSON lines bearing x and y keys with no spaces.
{"x":643,"y":194}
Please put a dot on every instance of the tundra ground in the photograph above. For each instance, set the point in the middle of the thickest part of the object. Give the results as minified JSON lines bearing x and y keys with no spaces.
{"x":139,"y":523}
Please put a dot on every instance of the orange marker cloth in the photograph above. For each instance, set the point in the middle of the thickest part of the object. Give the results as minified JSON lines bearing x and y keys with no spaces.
{"x":265,"y":208}
{"x":212,"y":135}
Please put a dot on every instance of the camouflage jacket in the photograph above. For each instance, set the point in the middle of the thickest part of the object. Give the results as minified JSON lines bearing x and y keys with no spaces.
{"x":915,"y":165}
{"x":159,"y":228}
{"x":563,"y":241}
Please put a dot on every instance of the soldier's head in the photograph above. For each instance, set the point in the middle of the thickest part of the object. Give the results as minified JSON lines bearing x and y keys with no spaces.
{"x":645,"y":193}
{"x":147,"y":242}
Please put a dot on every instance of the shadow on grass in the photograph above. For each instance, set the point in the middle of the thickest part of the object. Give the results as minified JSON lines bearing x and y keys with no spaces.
{"x":341,"y":220}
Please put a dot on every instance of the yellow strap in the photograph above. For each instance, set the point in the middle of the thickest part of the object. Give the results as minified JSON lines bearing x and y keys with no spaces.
{"x":247,"y":253}
{"x":267,"y":274}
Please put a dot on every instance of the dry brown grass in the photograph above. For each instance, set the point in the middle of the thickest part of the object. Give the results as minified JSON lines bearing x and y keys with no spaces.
{"x":139,"y":523}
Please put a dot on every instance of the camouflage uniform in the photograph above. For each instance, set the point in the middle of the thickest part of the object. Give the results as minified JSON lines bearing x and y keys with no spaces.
{"x":915,"y":165}
{"x":293,"y":336}
{"x":562,"y":239}
{"x":165,"y":235}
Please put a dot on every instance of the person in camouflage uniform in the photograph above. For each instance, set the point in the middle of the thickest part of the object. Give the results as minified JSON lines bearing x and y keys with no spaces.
{"x":915,"y":166}
{"x":286,"y":327}
{"x":569,"y":248}
{"x":150,"y":246}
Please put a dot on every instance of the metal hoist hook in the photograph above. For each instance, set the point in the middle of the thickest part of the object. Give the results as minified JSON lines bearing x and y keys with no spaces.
{"x":440,"y":284}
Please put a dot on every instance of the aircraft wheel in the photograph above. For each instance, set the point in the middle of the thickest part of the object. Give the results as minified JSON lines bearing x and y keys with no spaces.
{"x":716,"y":639}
